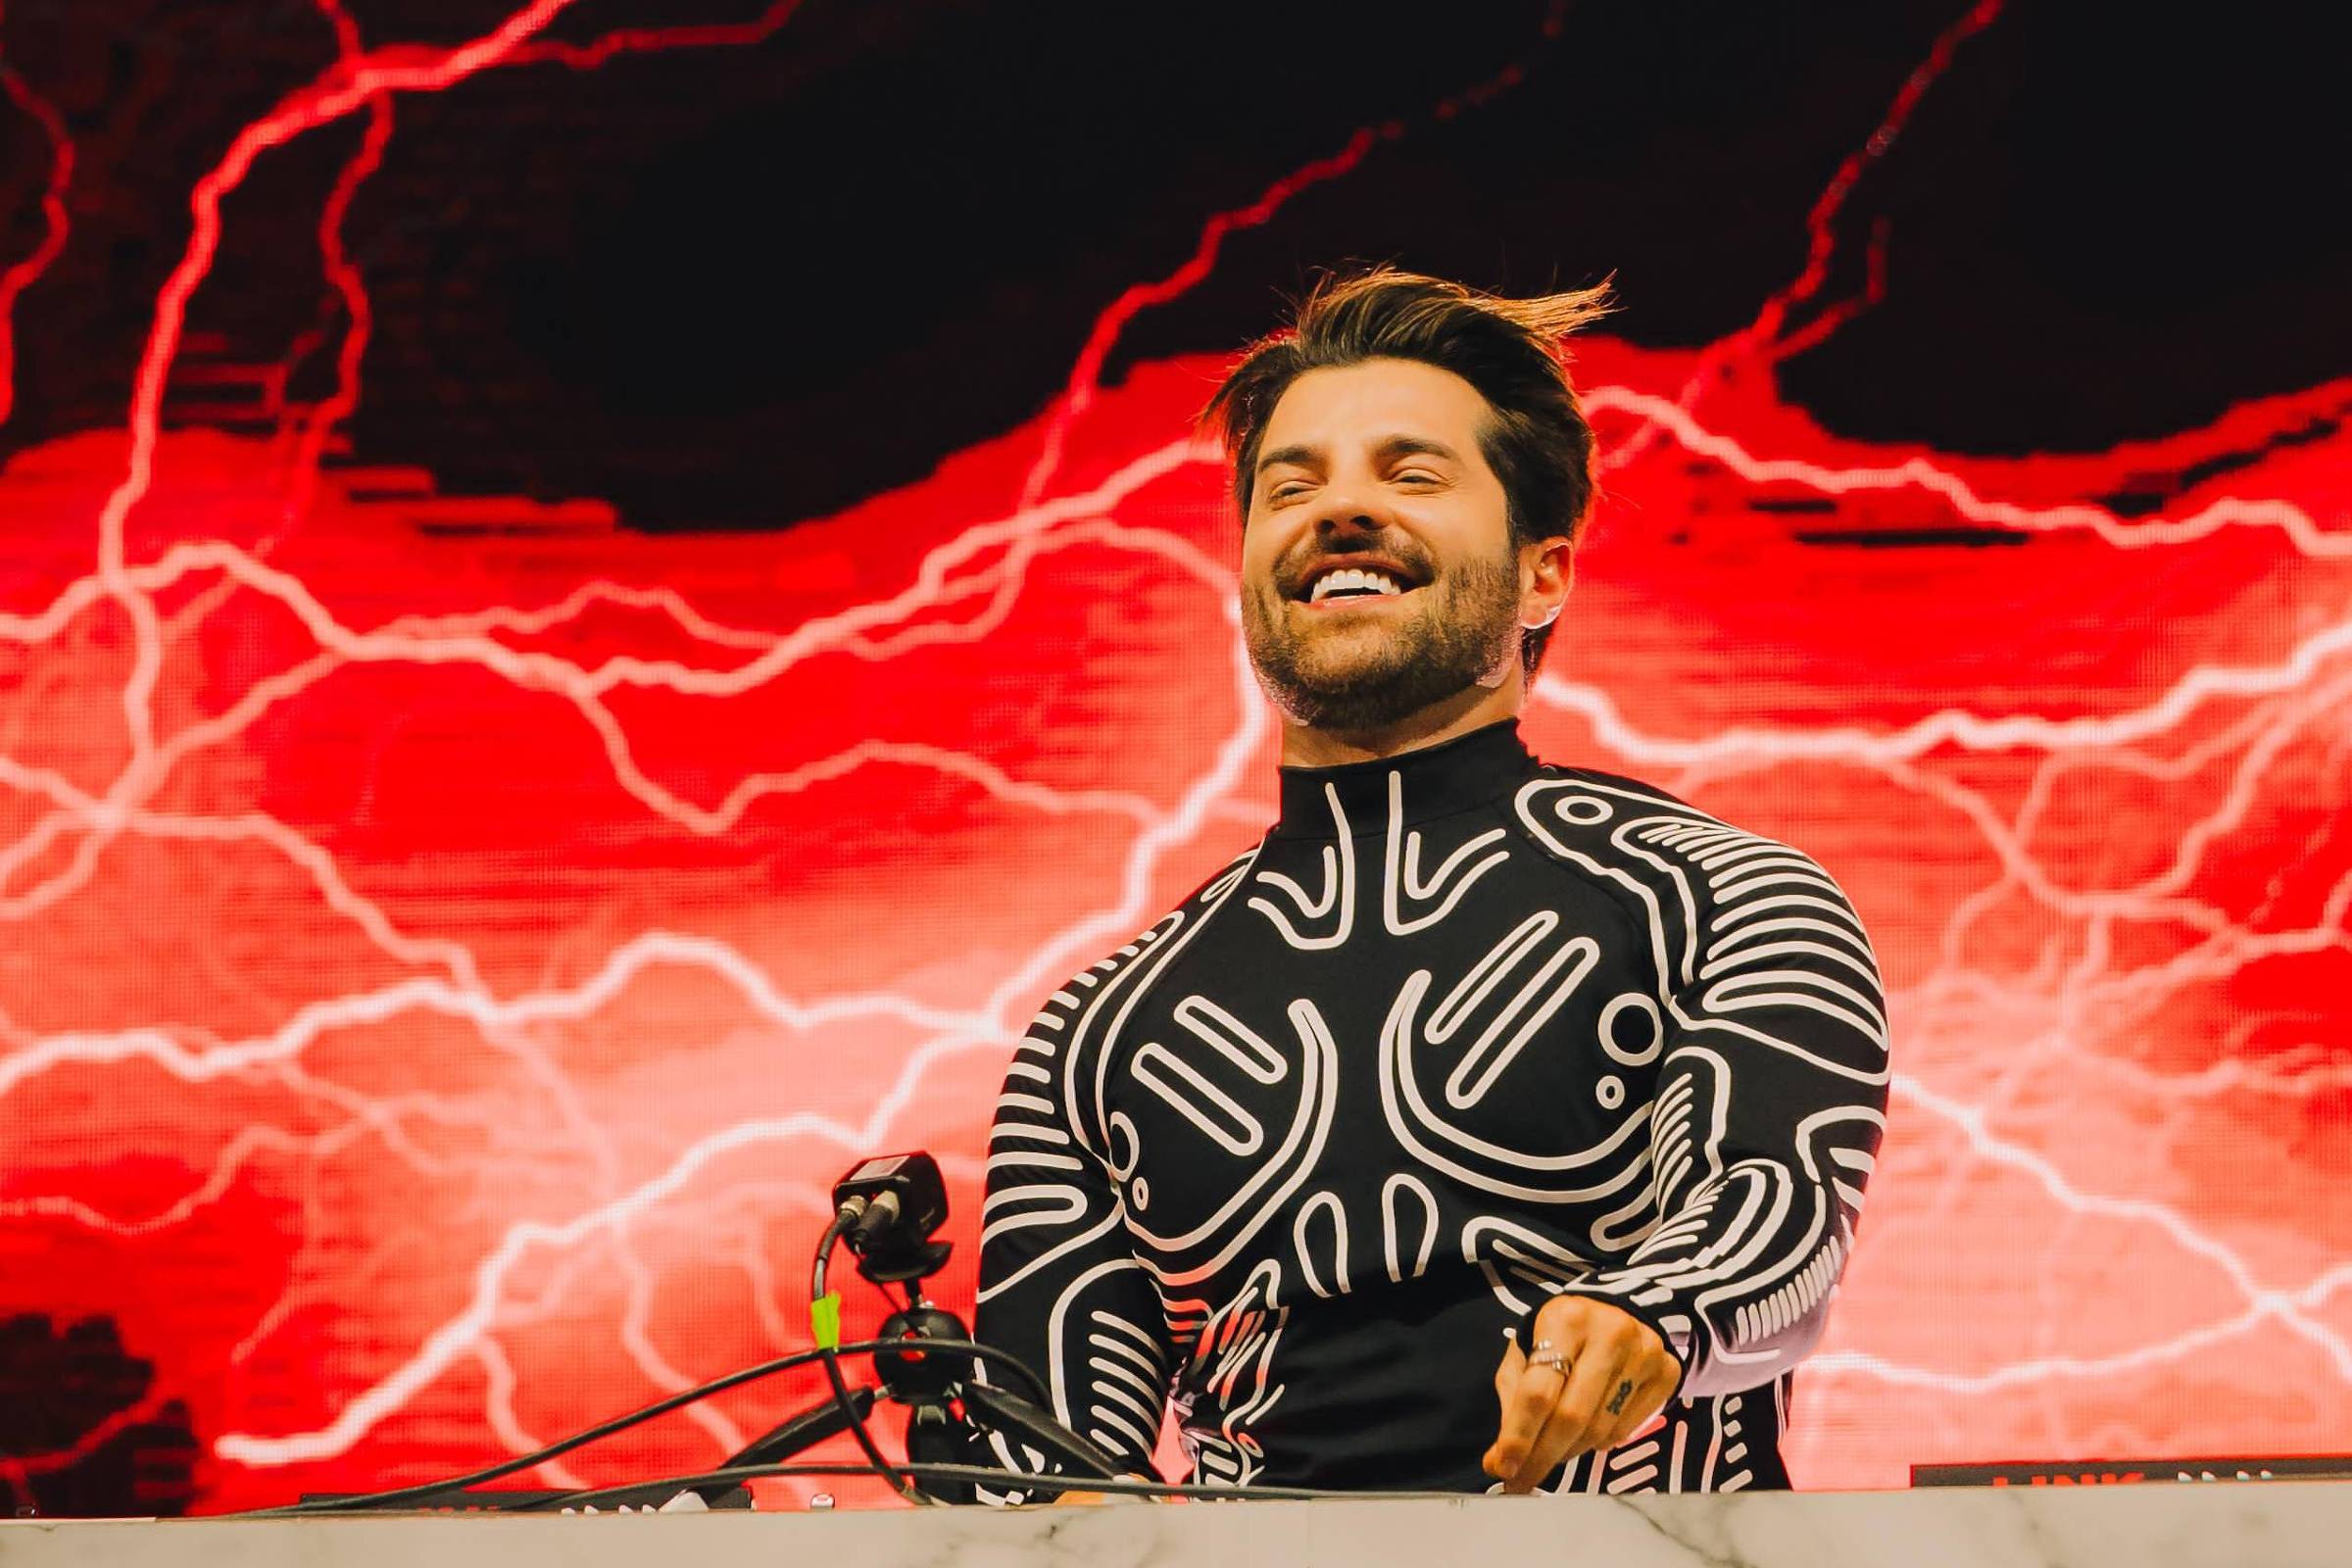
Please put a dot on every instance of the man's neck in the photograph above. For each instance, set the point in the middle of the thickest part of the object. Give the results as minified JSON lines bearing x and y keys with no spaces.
{"x":1303,"y":746}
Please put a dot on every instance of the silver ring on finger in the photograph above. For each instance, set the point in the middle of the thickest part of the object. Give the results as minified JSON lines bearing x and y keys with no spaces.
{"x":1552,"y":1359}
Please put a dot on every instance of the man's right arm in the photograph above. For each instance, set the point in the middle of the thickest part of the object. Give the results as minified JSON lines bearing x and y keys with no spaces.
{"x":1060,"y":1286}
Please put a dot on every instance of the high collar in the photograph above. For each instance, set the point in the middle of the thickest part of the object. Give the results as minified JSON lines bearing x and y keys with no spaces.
{"x":1435,"y":781}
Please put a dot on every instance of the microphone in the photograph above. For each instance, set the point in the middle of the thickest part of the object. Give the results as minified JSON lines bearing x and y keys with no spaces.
{"x":900,"y":1199}
{"x":886,"y":1209}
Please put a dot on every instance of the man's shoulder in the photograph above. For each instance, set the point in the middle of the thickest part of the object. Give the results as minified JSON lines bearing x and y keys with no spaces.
{"x":1553,"y":779}
{"x":1626,"y":830}
{"x":1708,"y":891}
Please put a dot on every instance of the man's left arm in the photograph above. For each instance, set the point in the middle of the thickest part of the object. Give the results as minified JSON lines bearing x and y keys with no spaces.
{"x":1770,"y":1105}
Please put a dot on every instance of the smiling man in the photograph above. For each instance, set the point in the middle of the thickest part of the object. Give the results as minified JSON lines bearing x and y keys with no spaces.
{"x":1489,"y":1125}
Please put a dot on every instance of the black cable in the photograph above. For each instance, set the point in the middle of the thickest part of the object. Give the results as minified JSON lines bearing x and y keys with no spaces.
{"x":425,"y":1491}
{"x":673,"y":1485}
{"x":832,"y":1362}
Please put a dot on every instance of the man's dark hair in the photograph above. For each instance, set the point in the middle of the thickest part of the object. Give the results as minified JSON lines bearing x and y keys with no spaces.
{"x":1535,"y":438}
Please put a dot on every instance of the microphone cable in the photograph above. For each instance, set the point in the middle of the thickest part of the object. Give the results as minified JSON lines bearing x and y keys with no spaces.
{"x":425,"y":1493}
{"x":824,"y":1319}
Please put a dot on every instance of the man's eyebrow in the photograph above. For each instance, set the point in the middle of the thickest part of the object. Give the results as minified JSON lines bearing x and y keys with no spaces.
{"x":1393,"y":447}
{"x":1306,"y":457}
{"x":1389,"y":448}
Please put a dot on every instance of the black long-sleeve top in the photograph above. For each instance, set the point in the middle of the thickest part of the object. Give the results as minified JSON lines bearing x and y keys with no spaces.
{"x":1461,"y":1032}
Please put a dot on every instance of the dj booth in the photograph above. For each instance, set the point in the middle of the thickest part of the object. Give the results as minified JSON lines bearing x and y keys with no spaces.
{"x":2283,"y":1524}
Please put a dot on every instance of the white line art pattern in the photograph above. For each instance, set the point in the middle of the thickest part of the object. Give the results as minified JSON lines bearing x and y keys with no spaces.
{"x":1608,"y":1047}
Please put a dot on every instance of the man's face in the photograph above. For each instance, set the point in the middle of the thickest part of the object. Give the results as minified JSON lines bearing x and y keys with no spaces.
{"x":1377,"y":571}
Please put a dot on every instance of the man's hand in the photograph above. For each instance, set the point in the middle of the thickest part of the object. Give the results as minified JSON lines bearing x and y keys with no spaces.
{"x":1613,"y":1375}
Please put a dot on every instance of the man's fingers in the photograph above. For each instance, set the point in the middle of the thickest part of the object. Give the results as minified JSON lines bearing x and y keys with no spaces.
{"x":1642,"y":1407}
{"x":1574,"y":1410}
{"x":1530,"y":1408}
{"x":1542,"y":1454}
{"x":1597,"y":1394}
{"x":1525,"y":1409}
{"x":1506,"y":1378}
{"x":1601,"y":1376}
{"x":1528,"y":1415}
{"x":1527,"y":1400}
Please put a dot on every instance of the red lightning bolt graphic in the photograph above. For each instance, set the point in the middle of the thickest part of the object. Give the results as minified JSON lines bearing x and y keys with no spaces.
{"x":507,"y":886}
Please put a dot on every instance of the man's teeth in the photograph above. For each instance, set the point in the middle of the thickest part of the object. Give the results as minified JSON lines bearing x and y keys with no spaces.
{"x":1352,"y":580}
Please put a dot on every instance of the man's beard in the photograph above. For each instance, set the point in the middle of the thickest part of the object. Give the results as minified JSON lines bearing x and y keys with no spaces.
{"x":1358,"y":678}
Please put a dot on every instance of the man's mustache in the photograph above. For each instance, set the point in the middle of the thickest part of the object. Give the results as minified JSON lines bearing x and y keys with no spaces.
{"x":1413,"y":564}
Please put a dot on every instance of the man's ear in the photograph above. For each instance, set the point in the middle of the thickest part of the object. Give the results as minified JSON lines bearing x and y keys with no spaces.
{"x":1546,"y":571}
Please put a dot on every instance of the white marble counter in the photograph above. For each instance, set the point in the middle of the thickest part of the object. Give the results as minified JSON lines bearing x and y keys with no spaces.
{"x":2271,"y":1524}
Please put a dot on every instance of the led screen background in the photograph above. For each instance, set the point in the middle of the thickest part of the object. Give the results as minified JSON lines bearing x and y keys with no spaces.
{"x":595,"y":607}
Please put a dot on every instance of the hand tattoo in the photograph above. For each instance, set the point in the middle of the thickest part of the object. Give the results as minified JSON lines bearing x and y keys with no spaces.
{"x":1625,"y":1392}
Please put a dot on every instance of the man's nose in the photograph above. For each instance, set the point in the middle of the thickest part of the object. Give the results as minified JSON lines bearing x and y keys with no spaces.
{"x":1346,"y":512}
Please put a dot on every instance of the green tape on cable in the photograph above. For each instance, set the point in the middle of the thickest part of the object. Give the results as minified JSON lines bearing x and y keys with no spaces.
{"x":824,"y":1319}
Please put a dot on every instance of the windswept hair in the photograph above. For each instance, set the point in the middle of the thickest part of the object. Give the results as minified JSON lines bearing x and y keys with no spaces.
{"x":1535,"y":437}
